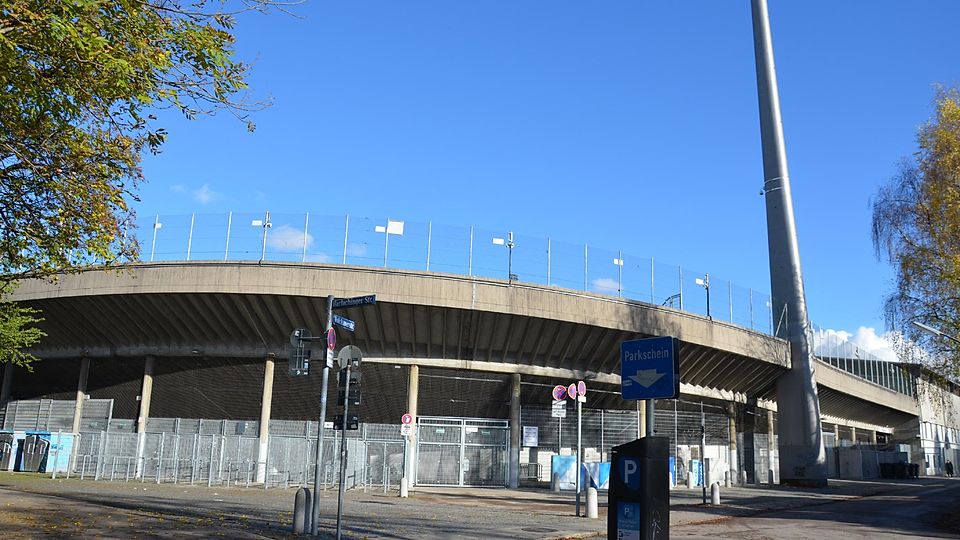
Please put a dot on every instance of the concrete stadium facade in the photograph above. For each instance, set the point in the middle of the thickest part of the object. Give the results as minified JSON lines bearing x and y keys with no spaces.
{"x":202,"y":340}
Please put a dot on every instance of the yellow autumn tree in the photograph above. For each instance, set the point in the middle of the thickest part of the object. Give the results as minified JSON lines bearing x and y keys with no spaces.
{"x":916,"y":227}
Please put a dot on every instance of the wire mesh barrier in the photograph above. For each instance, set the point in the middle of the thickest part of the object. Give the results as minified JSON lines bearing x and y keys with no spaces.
{"x":375,"y":456}
{"x":454,"y":249}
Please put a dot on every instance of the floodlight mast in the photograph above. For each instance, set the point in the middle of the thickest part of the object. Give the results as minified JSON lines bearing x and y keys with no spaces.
{"x":802,"y":455}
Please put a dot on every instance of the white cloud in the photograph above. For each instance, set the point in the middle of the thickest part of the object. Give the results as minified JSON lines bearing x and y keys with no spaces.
{"x":287,"y":238}
{"x":178,"y":188}
{"x":604,"y":285}
{"x":864,"y":343}
{"x":319,"y":257}
{"x":356,"y":250}
{"x":205,"y":195}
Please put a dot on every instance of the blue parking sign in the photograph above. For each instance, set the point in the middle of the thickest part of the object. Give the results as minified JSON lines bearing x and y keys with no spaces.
{"x":650,"y":368}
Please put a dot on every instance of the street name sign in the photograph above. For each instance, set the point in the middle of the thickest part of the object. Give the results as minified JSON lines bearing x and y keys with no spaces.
{"x":344,"y":322}
{"x":650,"y":368}
{"x":369,"y":299}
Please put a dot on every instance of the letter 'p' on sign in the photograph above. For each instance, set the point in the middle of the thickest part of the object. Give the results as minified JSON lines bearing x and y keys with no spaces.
{"x":630,"y":471}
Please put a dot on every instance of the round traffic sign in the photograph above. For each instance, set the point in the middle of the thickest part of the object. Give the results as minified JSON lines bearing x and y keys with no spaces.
{"x":559,"y":392}
{"x":331,"y":339}
{"x":572,"y":390}
{"x":406,"y":419}
{"x":582,"y":388}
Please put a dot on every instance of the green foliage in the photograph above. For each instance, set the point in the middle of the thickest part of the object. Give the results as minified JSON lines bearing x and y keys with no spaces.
{"x":18,"y":332}
{"x":916,"y":226}
{"x":80,"y":81}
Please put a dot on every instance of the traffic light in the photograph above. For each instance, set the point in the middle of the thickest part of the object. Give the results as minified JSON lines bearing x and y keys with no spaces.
{"x":353,"y":422}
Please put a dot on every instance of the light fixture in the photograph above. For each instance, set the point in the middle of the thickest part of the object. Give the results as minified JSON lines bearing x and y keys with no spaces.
{"x":392,"y":227}
{"x":705,"y":283}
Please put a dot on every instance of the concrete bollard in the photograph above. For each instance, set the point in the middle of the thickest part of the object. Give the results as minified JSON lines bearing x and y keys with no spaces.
{"x":726,"y":479}
{"x":404,"y":490}
{"x":743,"y":478}
{"x":555,"y":483}
{"x":592,"y":511}
{"x":302,"y":506}
{"x":770,"y":477}
{"x":715,"y":494}
{"x":691,"y":481}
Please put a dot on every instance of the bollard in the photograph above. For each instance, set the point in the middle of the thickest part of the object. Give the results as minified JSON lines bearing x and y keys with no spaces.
{"x":743,"y":478}
{"x":592,"y":511}
{"x":726,"y":479}
{"x":301,"y":511}
{"x":404,"y":490}
{"x":555,"y":483}
{"x":770,"y":477}
{"x":691,"y":480}
{"x":715,"y":494}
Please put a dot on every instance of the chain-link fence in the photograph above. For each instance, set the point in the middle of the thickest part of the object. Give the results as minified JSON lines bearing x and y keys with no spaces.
{"x":454,"y":249}
{"x":203,"y":452}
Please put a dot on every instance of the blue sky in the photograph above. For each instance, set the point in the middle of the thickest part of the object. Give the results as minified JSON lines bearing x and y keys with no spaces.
{"x":624,"y":125}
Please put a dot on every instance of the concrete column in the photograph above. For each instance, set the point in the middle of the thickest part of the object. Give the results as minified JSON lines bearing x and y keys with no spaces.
{"x":873,"y":437}
{"x":771,"y":447}
{"x":836,"y":435}
{"x":81,"y":393}
{"x":515,"y":431}
{"x":734,"y":457}
{"x":7,"y":382}
{"x":410,"y":456}
{"x":853,"y":435}
{"x":266,"y":403}
{"x":146,"y":390}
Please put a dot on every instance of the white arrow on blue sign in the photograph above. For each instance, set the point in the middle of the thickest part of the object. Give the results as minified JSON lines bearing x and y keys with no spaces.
{"x":344,"y":322}
{"x":650,"y":368}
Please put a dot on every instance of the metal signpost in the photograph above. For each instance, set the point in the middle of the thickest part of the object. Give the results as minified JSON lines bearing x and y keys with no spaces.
{"x":349,"y":358}
{"x":639,"y":498}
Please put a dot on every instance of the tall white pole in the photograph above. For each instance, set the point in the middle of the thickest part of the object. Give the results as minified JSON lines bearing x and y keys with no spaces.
{"x":346,"y":230}
{"x":226,"y":247}
{"x":802,"y":456}
{"x":306,"y":233}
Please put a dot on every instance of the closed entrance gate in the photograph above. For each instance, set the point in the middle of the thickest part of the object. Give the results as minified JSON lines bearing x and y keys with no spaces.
{"x":462,"y":451}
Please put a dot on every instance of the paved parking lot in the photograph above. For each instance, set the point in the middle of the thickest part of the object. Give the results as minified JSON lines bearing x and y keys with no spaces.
{"x":36,"y":506}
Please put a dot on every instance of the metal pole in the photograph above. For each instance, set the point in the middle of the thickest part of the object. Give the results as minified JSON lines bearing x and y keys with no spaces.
{"x":226,"y":247}
{"x":317,"y":474}
{"x":585,"y":259}
{"x":346,"y":230}
{"x":306,"y":231}
{"x":193,"y":217}
{"x":620,"y":273}
{"x":706,"y":286}
{"x":263,"y":241}
{"x":386,"y":242}
{"x":680,"y":270}
{"x":651,"y":405}
{"x":343,"y":452}
{"x":751,"y":308}
{"x":653,"y":296}
{"x":509,"y":257}
{"x":703,"y":454}
{"x":153,"y":246}
{"x":579,"y":450}
{"x":730,"y":298}
{"x":802,"y":455}
{"x":470,"y":257}
{"x":548,"y":261}
{"x":429,"y":240}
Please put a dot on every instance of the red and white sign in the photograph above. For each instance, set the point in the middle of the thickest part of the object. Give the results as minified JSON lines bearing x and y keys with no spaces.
{"x":582,"y":388}
{"x":572,"y":390}
{"x":559,"y":392}
{"x":331,"y":339}
{"x":406,"y":419}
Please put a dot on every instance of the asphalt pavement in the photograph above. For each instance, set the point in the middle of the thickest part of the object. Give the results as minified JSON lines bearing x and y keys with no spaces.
{"x":36,"y":506}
